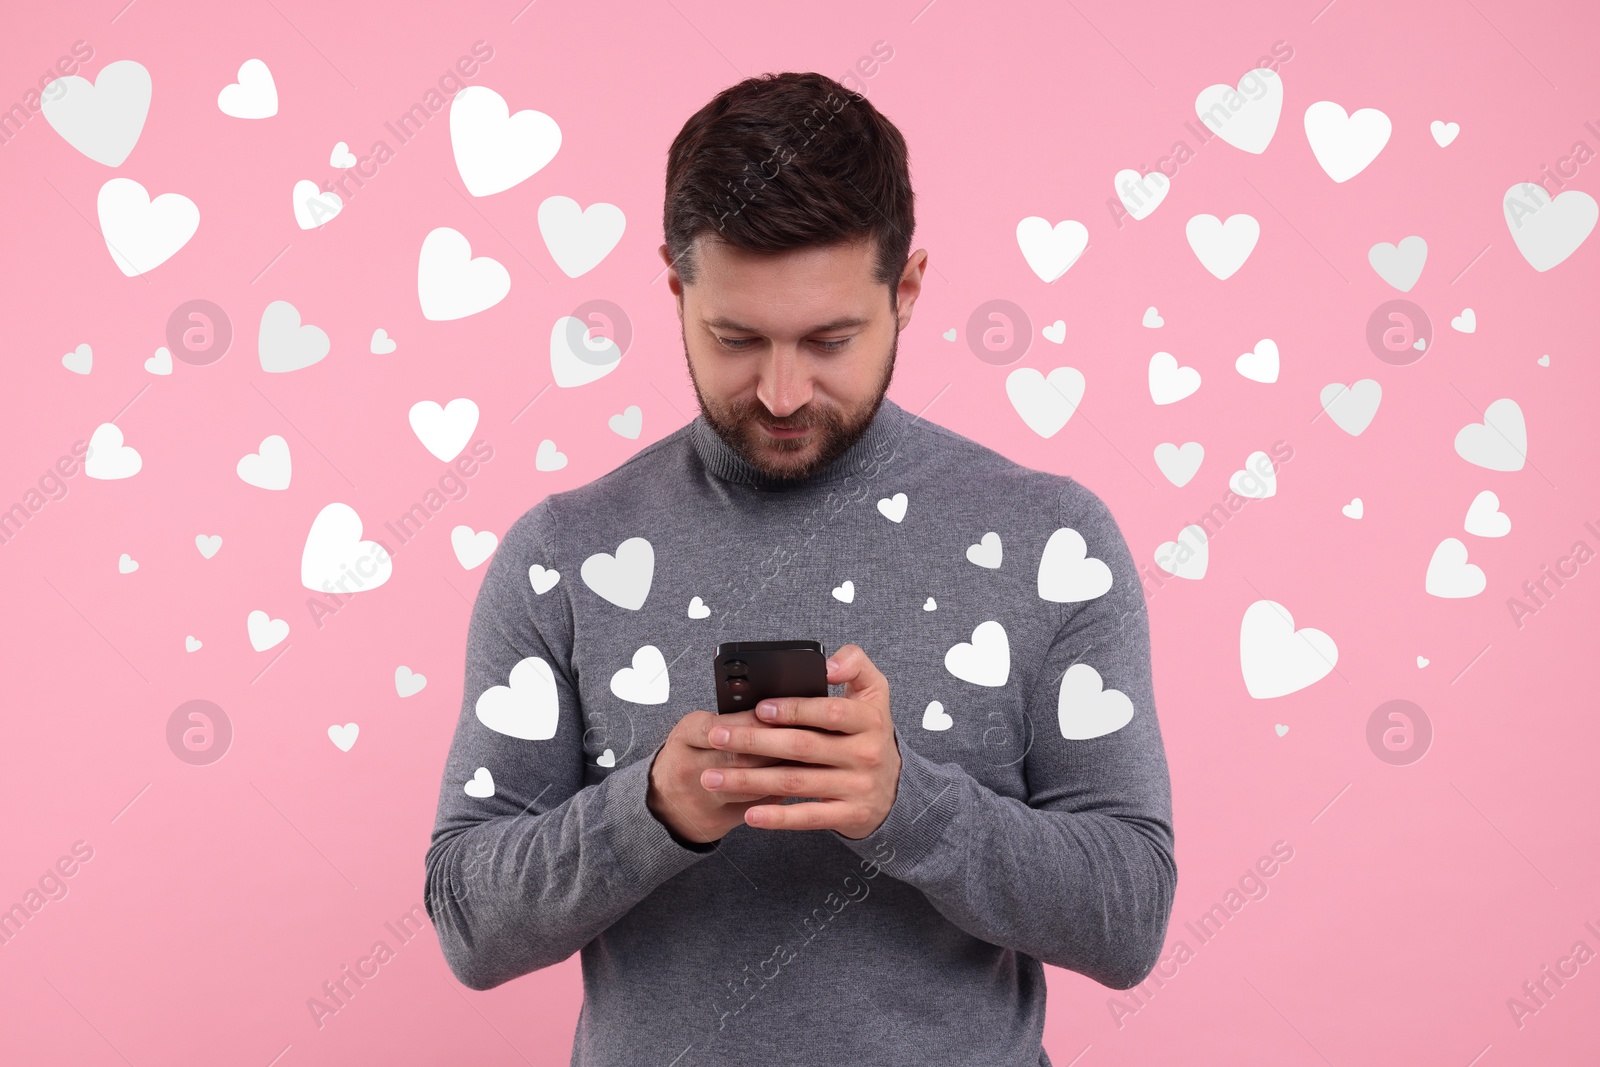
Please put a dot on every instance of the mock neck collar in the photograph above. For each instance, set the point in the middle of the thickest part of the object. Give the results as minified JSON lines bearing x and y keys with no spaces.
{"x":877,"y":443}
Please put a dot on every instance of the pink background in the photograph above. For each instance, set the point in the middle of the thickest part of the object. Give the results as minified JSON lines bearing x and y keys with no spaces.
{"x":1419,"y":898}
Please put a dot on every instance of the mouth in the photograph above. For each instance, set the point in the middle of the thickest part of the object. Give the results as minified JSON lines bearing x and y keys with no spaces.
{"x":784,"y":432}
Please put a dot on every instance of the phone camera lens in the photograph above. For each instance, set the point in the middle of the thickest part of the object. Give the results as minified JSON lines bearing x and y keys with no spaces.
{"x":737,"y":668}
{"x":739,"y":688}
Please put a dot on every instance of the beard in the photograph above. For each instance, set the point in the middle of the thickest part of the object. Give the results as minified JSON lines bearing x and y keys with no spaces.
{"x":832,"y":431}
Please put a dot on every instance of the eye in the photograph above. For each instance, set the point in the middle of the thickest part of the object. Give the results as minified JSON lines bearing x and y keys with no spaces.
{"x":737,"y":344}
{"x":832,"y":346}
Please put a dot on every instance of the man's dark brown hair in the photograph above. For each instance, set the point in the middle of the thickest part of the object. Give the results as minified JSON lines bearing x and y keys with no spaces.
{"x":784,"y":161}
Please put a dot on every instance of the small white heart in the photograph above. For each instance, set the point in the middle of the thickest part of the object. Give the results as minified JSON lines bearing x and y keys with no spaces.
{"x":1354,"y":509}
{"x":1282,"y":729}
{"x":628,"y":423}
{"x":341,"y":157}
{"x":929,"y":605}
{"x":1466,"y":322}
{"x":934,"y":717}
{"x":845,"y":592}
{"x":79,"y":360}
{"x":1152,"y":319}
{"x":607,"y":758}
{"x":1544,"y":360}
{"x":382,"y":343}
{"x":986,"y":553}
{"x":160,"y":363}
{"x":893,"y":508}
{"x":1056,"y":332}
{"x":127,"y":564}
{"x":950,"y":335}
{"x":541,"y":579}
{"x":698,"y":609}
{"x":482,"y":784}
{"x":1422,"y":661}
{"x":548,"y":458}
{"x":208,"y":544}
{"x":1421,"y":344}
{"x":343,"y":736}
{"x":407,"y":683}
{"x":1444,"y":132}
{"x":191,"y":644}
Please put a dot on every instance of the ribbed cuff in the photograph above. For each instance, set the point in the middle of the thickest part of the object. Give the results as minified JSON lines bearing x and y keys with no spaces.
{"x":642,"y":848}
{"x":926,"y":801}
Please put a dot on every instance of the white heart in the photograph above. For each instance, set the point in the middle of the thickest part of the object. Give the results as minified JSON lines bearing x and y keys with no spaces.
{"x":607,"y":758}
{"x":1485,"y":518}
{"x":102,"y":120}
{"x":622,"y":579}
{"x":382,"y":344}
{"x":1466,"y":322}
{"x":646,"y":681}
{"x":191,"y":644}
{"x":1345,"y":144}
{"x":126,"y":564}
{"x":265,"y":631}
{"x":1422,"y":661}
{"x":108,"y":458}
{"x":985,"y":660}
{"x":80,"y":360}
{"x":1084,"y":709}
{"x":341,"y":157}
{"x":929,"y":605}
{"x":1275,"y":658}
{"x":1222,"y":247}
{"x":1140,"y":193}
{"x":451,"y":283}
{"x":845,"y":592}
{"x":284,"y":344}
{"x":253,"y":96}
{"x":893,"y":508}
{"x":1067,"y":573}
{"x":1260,"y":364}
{"x":1170,"y":383}
{"x":1258,"y":480}
{"x":934,"y":717}
{"x":1153,"y":319}
{"x":481,"y":785}
{"x":344,"y":736}
{"x":541,"y":579}
{"x":495,"y":149}
{"x":1045,"y":402}
{"x":1179,"y":462}
{"x":1400,"y":265}
{"x":268,"y":467}
{"x":160,"y":363}
{"x":1247,"y":116}
{"x":141,"y":233}
{"x":949,"y":335}
{"x":1056,"y":332}
{"x":312,"y":206}
{"x":579,"y":238}
{"x":208,"y":544}
{"x":471,"y":546}
{"x":1188,"y":556}
{"x":1051,"y":250}
{"x":1544,"y":360}
{"x":698,"y":608}
{"x":527,"y":707}
{"x":628,"y":423}
{"x":986,"y":553}
{"x":548,"y":457}
{"x":1354,"y":509}
{"x":1281,"y":729}
{"x":577,"y":357}
{"x":1352,"y":407}
{"x":1548,"y":231}
{"x":1449,"y":573}
{"x":1499,"y":442}
{"x":1444,"y":132}
{"x":335,"y":558}
{"x":444,"y":431}
{"x":407,"y":683}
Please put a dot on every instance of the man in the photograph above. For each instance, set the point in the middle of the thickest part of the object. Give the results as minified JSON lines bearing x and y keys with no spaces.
{"x":876,"y":876}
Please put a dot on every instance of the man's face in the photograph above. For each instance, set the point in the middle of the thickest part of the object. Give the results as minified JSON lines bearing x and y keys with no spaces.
{"x":803,"y":339}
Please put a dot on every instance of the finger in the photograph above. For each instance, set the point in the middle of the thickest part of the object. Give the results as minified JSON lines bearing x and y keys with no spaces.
{"x":792,"y":781}
{"x":861,"y":677}
{"x":698,"y":724}
{"x":793,"y":746}
{"x":810,"y":815}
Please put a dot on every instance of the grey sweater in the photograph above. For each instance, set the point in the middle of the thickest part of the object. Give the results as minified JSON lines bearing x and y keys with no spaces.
{"x":1033,"y":818}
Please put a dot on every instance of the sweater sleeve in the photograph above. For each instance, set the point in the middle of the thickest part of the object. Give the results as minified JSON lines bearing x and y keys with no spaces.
{"x":1083,"y":875}
{"x":526,"y":863}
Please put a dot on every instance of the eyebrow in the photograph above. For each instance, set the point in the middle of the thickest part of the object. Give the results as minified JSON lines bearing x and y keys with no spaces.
{"x":723,"y":323}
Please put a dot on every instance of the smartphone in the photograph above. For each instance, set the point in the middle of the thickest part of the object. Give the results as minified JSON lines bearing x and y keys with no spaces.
{"x":748,"y":672}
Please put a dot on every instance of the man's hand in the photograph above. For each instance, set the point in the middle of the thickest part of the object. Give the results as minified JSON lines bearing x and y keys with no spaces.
{"x":850,"y":763}
{"x":675,"y":795}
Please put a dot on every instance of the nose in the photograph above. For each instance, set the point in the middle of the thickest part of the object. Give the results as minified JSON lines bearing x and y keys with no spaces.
{"x":785,"y":383}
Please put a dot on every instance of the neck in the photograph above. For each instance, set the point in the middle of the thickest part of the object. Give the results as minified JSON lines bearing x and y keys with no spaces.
{"x":872,"y":447}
